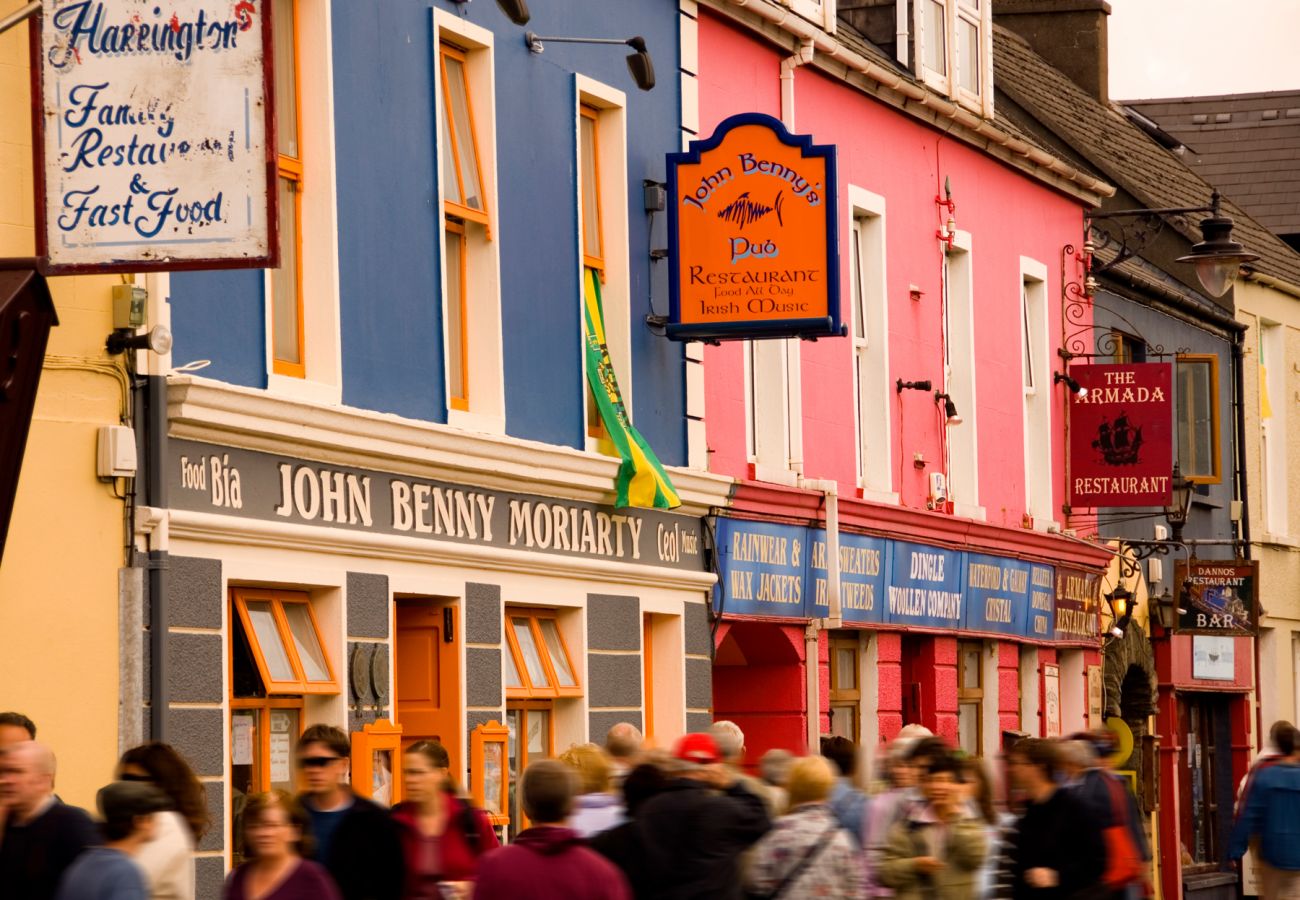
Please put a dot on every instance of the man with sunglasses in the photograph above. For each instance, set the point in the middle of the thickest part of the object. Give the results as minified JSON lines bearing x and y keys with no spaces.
{"x":356,"y":840}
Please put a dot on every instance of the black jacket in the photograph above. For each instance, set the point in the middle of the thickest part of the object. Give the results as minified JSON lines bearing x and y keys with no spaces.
{"x":1063,"y":834}
{"x":34,"y":856}
{"x":365,"y":856}
{"x":692,"y":838}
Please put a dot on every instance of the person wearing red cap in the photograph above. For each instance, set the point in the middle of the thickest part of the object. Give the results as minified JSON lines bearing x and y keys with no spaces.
{"x":694,"y":832}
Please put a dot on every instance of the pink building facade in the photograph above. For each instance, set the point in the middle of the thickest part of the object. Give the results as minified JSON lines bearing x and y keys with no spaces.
{"x":964,"y":475}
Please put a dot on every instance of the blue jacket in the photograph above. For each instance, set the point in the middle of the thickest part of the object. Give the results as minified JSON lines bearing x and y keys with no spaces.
{"x":1273,"y":813}
{"x":850,"y":808}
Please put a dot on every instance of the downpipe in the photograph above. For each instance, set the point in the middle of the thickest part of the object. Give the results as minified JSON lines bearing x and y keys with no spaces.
{"x":829,"y":488}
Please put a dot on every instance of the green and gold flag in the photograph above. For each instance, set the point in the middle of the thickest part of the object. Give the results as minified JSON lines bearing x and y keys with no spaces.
{"x":641,"y":479}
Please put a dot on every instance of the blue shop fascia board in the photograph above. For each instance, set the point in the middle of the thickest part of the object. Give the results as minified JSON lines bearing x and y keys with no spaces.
{"x":769,"y":569}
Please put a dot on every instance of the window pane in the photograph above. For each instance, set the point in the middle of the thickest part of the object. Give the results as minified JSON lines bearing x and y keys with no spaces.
{"x":970,"y":666}
{"x":936,"y":37}
{"x":450,"y":184}
{"x":454,"y":258}
{"x":539,"y":734}
{"x":268,"y":639}
{"x":1195,"y":419}
{"x":514,"y":723}
{"x":305,"y":641}
{"x":968,"y":54}
{"x":458,"y":101}
{"x":968,"y":727}
{"x":855,"y":273}
{"x":284,"y":732}
{"x":245,"y":770}
{"x":591,"y":245}
{"x":286,"y":79}
{"x":284,"y":280}
{"x":843,"y":722}
{"x":846,"y":669}
{"x":559,"y":660}
{"x":1028,"y":361}
{"x":512,"y":672}
{"x":861,"y":418}
{"x":532,"y":655}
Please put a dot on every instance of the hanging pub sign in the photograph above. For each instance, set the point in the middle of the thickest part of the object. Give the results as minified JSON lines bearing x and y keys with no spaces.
{"x":753,"y":235}
{"x":1217,"y":596}
{"x":1121,"y":435}
{"x":154,"y":135}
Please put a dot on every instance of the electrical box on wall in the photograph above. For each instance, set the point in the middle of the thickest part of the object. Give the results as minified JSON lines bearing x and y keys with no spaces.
{"x":116,"y":457}
{"x":938,"y":488}
{"x":129,"y":305}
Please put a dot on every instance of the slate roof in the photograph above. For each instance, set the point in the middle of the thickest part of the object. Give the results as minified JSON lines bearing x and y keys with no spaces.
{"x":1121,"y":152}
{"x":1247,"y":144}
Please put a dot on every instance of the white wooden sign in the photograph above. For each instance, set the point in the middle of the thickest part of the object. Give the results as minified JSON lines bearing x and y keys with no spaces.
{"x":155,"y":144}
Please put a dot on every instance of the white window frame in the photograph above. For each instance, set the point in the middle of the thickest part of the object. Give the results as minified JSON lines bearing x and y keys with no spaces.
{"x":485,"y":365}
{"x":770,"y":409}
{"x":615,"y":290}
{"x":959,"y":378}
{"x":1037,"y":418}
{"x":822,"y":12}
{"x":870,"y":360}
{"x":322,"y":381}
{"x":947,"y":81}
{"x":1273,"y":430}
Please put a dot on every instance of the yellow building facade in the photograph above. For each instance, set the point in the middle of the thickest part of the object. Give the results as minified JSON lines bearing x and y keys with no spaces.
{"x":1271,"y":312}
{"x":59,"y":596}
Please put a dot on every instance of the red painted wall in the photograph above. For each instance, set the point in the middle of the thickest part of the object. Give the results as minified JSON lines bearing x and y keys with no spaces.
{"x":1008,"y":216}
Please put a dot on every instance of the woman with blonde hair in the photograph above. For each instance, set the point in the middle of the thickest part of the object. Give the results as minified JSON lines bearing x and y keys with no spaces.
{"x":596,"y":808}
{"x":277,"y":834}
{"x":807,"y":853}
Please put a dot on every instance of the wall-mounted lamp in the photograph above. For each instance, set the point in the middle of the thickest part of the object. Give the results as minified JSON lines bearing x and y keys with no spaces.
{"x":638,"y":62}
{"x":1074,"y":386}
{"x":1122,"y":603}
{"x":158,"y":339}
{"x":948,"y":232}
{"x":1168,"y":609}
{"x":913,"y":385}
{"x":949,"y":408}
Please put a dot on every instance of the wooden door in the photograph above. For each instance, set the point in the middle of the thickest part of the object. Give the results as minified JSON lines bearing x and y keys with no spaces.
{"x":427,"y":683}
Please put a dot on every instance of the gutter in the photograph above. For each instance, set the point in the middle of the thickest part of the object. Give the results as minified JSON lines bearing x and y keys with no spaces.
{"x":830,"y":48}
{"x":1285,"y":287}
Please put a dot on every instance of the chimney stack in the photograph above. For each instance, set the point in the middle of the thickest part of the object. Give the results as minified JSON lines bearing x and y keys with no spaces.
{"x":1069,"y":34}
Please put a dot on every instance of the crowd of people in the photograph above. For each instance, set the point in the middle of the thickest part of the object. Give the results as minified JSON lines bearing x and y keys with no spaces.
{"x":619,"y":821}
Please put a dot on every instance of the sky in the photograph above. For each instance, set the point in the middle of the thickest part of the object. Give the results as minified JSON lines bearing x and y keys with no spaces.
{"x":1188,"y":48}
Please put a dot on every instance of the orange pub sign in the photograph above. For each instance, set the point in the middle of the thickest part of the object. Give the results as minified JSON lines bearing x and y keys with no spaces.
{"x":753,"y":237}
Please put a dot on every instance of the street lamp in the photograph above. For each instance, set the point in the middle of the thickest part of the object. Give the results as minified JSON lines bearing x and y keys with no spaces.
{"x":1177,"y":512}
{"x":1122,"y":603}
{"x":1216,"y":256}
{"x":1167,"y":609}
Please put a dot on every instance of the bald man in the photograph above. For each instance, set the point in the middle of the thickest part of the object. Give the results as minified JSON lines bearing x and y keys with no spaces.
{"x":42,"y":835}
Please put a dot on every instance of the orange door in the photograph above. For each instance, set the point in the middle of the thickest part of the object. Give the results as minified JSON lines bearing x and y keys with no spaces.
{"x":428,"y":679}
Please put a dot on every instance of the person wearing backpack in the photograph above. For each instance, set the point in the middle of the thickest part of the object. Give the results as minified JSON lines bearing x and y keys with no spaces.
{"x":808,"y":853}
{"x":442,"y":834}
{"x":1110,"y":803}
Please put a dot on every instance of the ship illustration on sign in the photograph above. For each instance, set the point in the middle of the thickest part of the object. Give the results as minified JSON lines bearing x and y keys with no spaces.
{"x":1118,"y":441}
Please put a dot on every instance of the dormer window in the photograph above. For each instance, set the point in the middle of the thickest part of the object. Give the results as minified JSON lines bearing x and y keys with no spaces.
{"x":953,"y":41}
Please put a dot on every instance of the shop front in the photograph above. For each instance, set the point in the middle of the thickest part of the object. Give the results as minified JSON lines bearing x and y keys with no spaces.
{"x":964,"y":642}
{"x":400,"y":606}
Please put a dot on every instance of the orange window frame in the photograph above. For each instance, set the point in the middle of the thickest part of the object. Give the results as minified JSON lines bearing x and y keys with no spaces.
{"x":457,"y":228}
{"x":240,"y":598}
{"x":452,"y":208}
{"x":529,"y":691}
{"x":592,"y":260}
{"x":291,"y":169}
{"x":1211,"y":359}
{"x":521,"y":738}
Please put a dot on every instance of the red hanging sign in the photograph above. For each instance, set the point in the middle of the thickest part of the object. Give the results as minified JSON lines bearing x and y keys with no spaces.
{"x":1121,"y":435}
